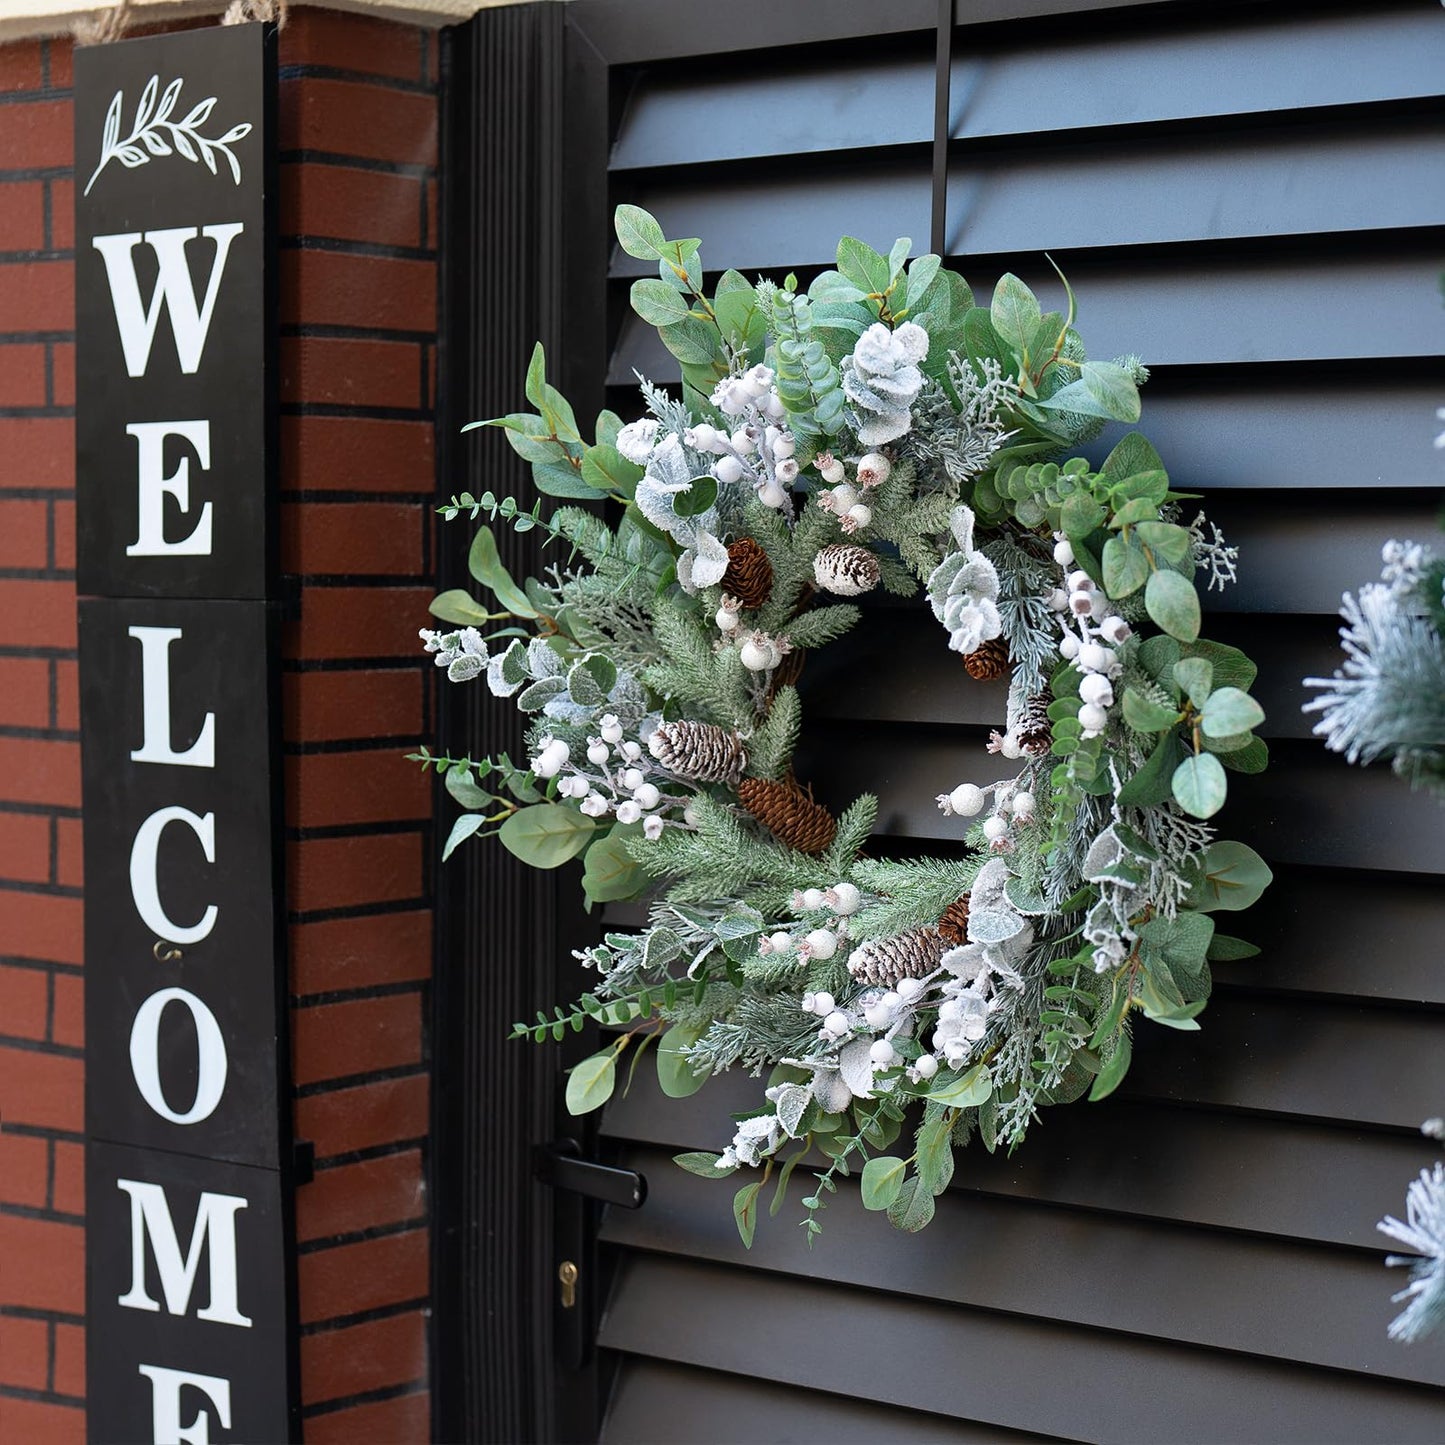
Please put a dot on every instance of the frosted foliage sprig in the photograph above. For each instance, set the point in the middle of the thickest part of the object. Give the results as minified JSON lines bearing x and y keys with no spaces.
{"x":1388,"y":697}
{"x":152,"y":126}
{"x":1423,"y":1232}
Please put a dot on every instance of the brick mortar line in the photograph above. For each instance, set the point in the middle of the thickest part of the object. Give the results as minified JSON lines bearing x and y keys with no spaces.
{"x":31,"y":1312}
{"x":312,"y":497}
{"x":42,"y":965}
{"x":44,"y":1214}
{"x":352,"y":1081}
{"x":41,"y":1046}
{"x":37,"y":173}
{"x":317,"y":666}
{"x":351,"y":1238}
{"x":332,"y":411}
{"x":365,"y":1156}
{"x":340,"y":747}
{"x":41,"y":1131}
{"x":365,"y":1317}
{"x":322,"y":1408}
{"x":30,"y":338}
{"x":331,"y":331}
{"x":325,"y":999}
{"x":351,"y":246}
{"x":394,"y":83}
{"x":43,"y":1397}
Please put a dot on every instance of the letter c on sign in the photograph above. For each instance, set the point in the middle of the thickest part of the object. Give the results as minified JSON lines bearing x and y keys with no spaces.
{"x":210,"y":1049}
{"x":143,"y":886}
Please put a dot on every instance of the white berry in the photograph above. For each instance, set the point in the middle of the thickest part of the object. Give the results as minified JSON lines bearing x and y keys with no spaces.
{"x":910,"y":989}
{"x":598,"y":753}
{"x":966,"y":799}
{"x":925,"y":1066}
{"x":882,"y":1054}
{"x":1095,"y":658}
{"x":812,"y":898}
{"x":1096,"y":688}
{"x":1064,"y":553}
{"x":836,"y":1023}
{"x":846,"y":899}
{"x":782,"y":942}
{"x":823,"y":1003}
{"x":755,"y":656}
{"x":822,"y":943}
{"x":860,"y":515}
{"x":726,"y":619}
{"x":647,"y":796}
{"x":1093,"y":718}
{"x":994,"y":828}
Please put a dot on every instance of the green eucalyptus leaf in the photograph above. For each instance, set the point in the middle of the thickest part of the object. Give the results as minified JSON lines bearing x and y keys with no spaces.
{"x":698,"y":499}
{"x":863,"y":266}
{"x":462,"y":829}
{"x":693,"y":341}
{"x":1157,"y":656}
{"x":485,"y":564}
{"x":675,"y":1076}
{"x":590,"y":1083}
{"x":1145,"y":715}
{"x":609,"y":424}
{"x":562,"y":479}
{"x":1224,"y":949}
{"x":609,"y":872}
{"x":1164,"y":539}
{"x":934,"y":1157}
{"x":1231,"y":667}
{"x":639,"y":233}
{"x":1125,"y":568}
{"x":546,"y":835}
{"x":834,"y":286}
{"x":1015,"y":314}
{"x":1232,"y":878}
{"x":703,"y":1164}
{"x":914,"y":1207}
{"x":1112,"y":1074}
{"x":658,"y":303}
{"x":921,"y":275}
{"x":1252,"y":758}
{"x":1102,"y":389}
{"x":459,"y":606}
{"x":463,"y":787}
{"x":1199,"y":785}
{"x":1172,"y":602}
{"x":1230,"y":711}
{"x":882,"y":1181}
{"x":961,"y":1091}
{"x":745,"y":1211}
{"x":1082,"y":514}
{"x":1196,"y":676}
{"x":1134,"y":454}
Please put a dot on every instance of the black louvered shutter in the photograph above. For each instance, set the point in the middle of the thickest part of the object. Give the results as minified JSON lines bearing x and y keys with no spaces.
{"x":1250,"y":197}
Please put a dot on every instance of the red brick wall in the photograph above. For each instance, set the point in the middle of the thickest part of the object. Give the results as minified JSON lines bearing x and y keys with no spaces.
{"x":42,"y":1115}
{"x":358,"y":328}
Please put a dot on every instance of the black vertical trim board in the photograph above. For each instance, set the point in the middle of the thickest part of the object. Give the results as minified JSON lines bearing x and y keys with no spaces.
{"x":501,"y":926}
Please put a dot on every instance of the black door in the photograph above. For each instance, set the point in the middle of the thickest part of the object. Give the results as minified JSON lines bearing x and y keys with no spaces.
{"x":1250,"y":197}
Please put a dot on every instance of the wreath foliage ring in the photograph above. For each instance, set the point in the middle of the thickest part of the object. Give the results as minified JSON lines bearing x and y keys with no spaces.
{"x":879,"y":430}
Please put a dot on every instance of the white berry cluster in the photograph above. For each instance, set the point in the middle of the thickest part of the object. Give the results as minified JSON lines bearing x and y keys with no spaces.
{"x":1091,"y":633}
{"x":966,"y":1004}
{"x":613,"y":779}
{"x":758,"y":651}
{"x":807,"y":942}
{"x":759,"y":450}
{"x":1012,"y":804}
{"x":845,"y":501}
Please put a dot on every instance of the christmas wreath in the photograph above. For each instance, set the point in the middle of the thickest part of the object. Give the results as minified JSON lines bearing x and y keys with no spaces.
{"x":876,"y":431}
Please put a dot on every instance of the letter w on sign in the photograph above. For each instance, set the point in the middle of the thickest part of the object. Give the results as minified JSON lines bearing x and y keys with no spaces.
{"x":174,"y":288}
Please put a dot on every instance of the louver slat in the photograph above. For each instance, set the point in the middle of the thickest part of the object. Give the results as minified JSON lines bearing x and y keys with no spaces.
{"x":1069,"y":1266}
{"x":1125,"y":1156}
{"x":657,"y":1404}
{"x":1189,"y":73}
{"x":975,"y":1365}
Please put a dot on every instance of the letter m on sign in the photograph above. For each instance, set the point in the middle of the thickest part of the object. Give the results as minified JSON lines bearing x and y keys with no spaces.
{"x":174,"y":287}
{"x":150,"y":1218}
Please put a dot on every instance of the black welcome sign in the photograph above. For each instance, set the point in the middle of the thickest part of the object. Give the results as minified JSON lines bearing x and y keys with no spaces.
{"x":191,"y":1322}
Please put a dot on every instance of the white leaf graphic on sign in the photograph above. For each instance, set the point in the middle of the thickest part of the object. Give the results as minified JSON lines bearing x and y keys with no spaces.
{"x":154,"y":133}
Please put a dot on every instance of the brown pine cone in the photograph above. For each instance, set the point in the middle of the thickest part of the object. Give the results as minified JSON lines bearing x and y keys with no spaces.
{"x":749,"y":576}
{"x":954,"y":923}
{"x":990,"y":661}
{"x":789,"y":813}
{"x":699,"y":751}
{"x":1035,"y":730}
{"x":883,"y":961}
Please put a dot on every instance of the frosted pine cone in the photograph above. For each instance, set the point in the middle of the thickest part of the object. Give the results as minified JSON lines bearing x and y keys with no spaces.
{"x":699,"y":752}
{"x":846,"y":570}
{"x":954,"y":924}
{"x":749,"y":577}
{"x":883,"y":961}
{"x":789,"y":813}
{"x":990,"y":661}
{"x":1035,"y":730}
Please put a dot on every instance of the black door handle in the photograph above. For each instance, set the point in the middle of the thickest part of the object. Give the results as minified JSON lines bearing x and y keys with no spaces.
{"x":561,"y":1165}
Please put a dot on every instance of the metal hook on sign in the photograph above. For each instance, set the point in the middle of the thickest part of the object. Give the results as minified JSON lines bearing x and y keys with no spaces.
{"x":170,"y":954}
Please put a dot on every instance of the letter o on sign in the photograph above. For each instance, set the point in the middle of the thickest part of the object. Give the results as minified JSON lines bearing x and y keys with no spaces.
{"x":145,"y":1056}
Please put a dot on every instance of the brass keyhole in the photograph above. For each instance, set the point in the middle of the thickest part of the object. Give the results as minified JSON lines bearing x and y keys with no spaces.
{"x":567,"y":1275}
